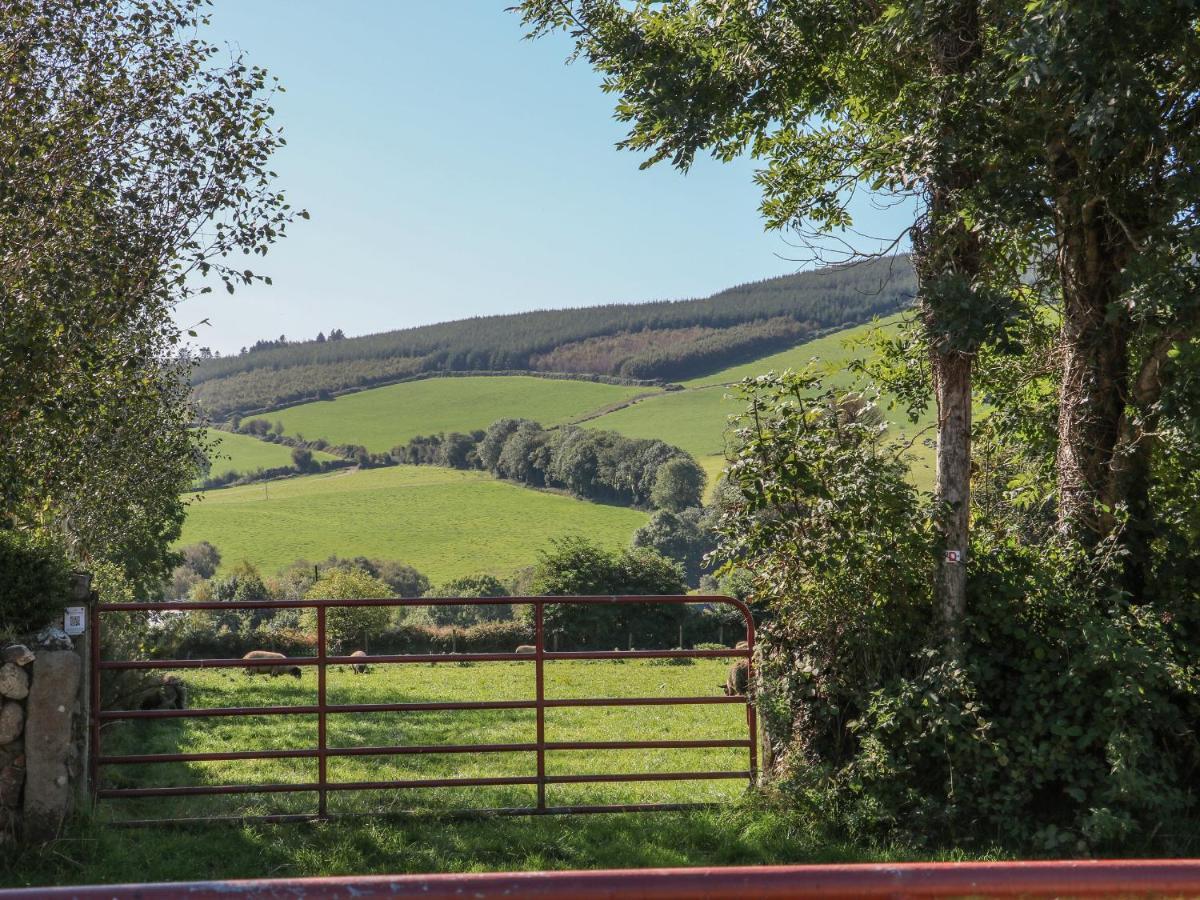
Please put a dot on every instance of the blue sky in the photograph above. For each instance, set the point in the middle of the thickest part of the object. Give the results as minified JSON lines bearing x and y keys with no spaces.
{"x":453,"y":169}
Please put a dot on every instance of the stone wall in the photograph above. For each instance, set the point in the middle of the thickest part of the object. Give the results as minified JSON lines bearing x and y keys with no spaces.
{"x":43,"y":733}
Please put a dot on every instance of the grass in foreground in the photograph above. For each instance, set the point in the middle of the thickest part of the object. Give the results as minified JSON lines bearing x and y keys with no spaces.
{"x":381,"y":418}
{"x":444,"y":522}
{"x":93,"y":854}
{"x":741,"y":832}
{"x":441,"y":682}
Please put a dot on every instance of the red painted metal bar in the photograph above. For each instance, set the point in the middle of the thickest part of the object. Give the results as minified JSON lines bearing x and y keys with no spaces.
{"x":322,"y":701}
{"x":539,"y":618}
{"x":1083,"y":878}
{"x":412,"y":658}
{"x":591,"y":599}
{"x":416,"y":749}
{"x":643,"y":776}
{"x":94,"y":711}
{"x":322,"y":709}
{"x":205,"y":712}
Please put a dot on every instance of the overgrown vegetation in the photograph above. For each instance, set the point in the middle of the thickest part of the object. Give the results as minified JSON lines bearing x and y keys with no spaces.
{"x":136,"y":160}
{"x":35,"y":584}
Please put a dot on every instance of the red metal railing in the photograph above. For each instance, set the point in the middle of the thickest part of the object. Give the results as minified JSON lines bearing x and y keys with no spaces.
{"x":1085,"y":878}
{"x":322,"y":709}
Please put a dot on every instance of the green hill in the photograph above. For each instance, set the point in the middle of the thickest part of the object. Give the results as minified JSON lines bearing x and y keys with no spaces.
{"x":446,"y":523}
{"x":243,"y":454}
{"x":696,"y":419}
{"x":381,"y":418}
{"x":665,"y":340}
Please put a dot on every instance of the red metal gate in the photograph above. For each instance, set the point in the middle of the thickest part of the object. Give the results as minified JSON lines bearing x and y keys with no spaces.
{"x":322,"y":709}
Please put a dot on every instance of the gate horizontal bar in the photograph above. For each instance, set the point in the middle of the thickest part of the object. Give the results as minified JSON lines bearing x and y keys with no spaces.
{"x":195,"y":790}
{"x":415,"y":749}
{"x":591,"y":600}
{"x":1075,"y":878}
{"x":423,"y":814}
{"x":645,"y":776}
{"x":125,"y":664}
{"x":114,"y":714}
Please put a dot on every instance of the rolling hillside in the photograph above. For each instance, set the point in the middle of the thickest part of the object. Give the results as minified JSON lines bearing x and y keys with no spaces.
{"x":665,"y":340}
{"x":381,"y":418}
{"x":446,"y":523}
{"x":697,"y":418}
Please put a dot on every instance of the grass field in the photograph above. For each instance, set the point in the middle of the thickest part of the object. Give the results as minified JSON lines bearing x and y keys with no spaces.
{"x":437,"y":682}
{"x":381,"y":418}
{"x":444,"y":522}
{"x":742,"y":830}
{"x":242,"y":453}
{"x":697,"y":419}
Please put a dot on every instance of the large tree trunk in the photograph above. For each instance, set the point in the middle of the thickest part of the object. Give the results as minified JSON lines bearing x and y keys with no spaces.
{"x":1094,"y":390}
{"x":944,"y":248}
{"x":952,"y":482}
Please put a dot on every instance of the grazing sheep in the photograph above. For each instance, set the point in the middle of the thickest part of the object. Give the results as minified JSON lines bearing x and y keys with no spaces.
{"x":168,"y":693}
{"x":526,"y":648}
{"x":738,"y":679}
{"x":359,"y":668}
{"x":273,"y":671}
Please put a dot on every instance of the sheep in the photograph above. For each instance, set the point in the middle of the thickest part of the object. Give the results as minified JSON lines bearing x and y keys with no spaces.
{"x":738,"y":679}
{"x":359,"y":668}
{"x":273,"y":671}
{"x":168,"y":693}
{"x":526,"y":648}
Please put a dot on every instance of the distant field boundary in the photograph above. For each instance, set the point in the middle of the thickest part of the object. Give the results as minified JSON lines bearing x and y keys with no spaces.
{"x":459,"y":373}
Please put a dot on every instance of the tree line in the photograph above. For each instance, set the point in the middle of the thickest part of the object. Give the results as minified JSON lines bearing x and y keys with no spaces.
{"x":591,"y":464}
{"x":732,"y":325}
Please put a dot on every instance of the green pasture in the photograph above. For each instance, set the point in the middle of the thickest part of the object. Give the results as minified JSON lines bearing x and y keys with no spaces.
{"x":697,"y":419}
{"x":381,"y":418}
{"x":743,"y":828}
{"x":242,"y":453}
{"x":399,"y":683}
{"x":445,"y":522}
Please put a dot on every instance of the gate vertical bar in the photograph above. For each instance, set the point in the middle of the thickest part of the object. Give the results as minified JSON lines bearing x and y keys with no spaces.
{"x":94,"y":717}
{"x":751,"y":712}
{"x":322,"y":763}
{"x":540,"y":650}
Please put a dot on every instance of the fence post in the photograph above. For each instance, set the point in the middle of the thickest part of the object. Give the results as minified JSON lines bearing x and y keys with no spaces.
{"x":322,"y":762}
{"x":539,"y":662}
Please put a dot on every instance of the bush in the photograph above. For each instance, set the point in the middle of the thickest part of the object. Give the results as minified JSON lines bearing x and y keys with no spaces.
{"x":1061,"y":721}
{"x":346,"y":625}
{"x":35,"y":582}
{"x":575,"y":566}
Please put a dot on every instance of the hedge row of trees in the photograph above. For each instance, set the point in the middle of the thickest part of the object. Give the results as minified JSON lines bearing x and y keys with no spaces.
{"x":589,"y":463}
{"x":734,"y":324}
{"x":569,"y":566}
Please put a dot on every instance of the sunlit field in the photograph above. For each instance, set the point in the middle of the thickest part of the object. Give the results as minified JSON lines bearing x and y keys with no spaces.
{"x":440,"y":682}
{"x":444,"y":522}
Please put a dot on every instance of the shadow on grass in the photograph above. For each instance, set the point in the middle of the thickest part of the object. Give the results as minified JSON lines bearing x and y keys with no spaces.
{"x":93,"y":853}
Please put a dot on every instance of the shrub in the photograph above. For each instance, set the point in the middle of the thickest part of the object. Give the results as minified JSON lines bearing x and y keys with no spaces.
{"x":346,"y":625}
{"x":575,"y":566}
{"x":35,"y":582}
{"x":1061,"y":720}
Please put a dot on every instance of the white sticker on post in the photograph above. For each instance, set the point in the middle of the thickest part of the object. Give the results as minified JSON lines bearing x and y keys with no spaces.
{"x":954,"y":556}
{"x":75,"y":620}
